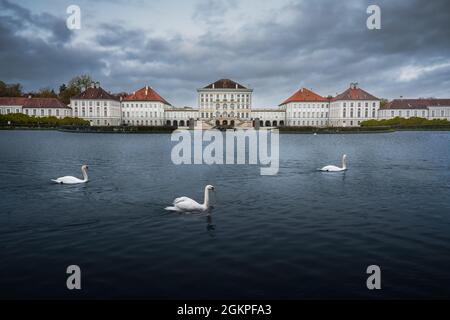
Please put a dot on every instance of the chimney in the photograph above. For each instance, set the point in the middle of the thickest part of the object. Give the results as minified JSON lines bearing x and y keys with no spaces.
{"x":146,"y":90}
{"x":236,"y":85}
{"x":29,"y":96}
{"x":213,"y":86}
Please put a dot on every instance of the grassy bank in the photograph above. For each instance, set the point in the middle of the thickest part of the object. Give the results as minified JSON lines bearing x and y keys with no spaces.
{"x":127,"y":129}
{"x":410,"y":123}
{"x":334,"y":130}
{"x":19,"y":120}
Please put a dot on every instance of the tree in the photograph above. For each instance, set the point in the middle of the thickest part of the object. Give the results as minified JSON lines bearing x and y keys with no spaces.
{"x":45,"y":93}
{"x":62,"y":88}
{"x":80,"y":82}
{"x":74,"y":87}
{"x":10,"y":90}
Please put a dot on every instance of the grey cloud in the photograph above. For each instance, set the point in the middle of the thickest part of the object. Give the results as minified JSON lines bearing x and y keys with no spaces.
{"x":323,"y":45}
{"x":212,"y":11}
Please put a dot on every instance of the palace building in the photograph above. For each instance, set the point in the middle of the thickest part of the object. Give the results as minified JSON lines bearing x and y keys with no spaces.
{"x":306,"y":108}
{"x":227,"y":103}
{"x":38,"y":107}
{"x":97,"y":106}
{"x":352,"y":106}
{"x":144,"y":107}
{"x":423,"y":108}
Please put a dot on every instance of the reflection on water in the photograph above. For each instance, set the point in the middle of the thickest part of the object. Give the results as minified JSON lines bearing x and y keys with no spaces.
{"x":299,"y":234}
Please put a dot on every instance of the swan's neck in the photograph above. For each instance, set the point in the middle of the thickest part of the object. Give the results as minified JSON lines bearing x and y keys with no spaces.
{"x":85,"y":175}
{"x":206,"y":202}
{"x":344,"y":163}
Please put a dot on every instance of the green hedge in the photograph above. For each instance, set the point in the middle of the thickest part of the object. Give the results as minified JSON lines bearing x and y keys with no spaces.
{"x":118,"y":129}
{"x":23,"y":120}
{"x":402,"y":122}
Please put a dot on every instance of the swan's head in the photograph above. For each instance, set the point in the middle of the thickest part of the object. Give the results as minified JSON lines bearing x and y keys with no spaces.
{"x":84,"y":167}
{"x":344,"y":156}
{"x":210,"y":187}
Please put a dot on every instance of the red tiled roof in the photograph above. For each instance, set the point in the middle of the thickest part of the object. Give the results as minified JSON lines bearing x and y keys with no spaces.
{"x":304,"y":95}
{"x":32,"y":102}
{"x":146,"y":94}
{"x":354,"y":93}
{"x":224,"y":84}
{"x":416,"y":103}
{"x":95,"y":93}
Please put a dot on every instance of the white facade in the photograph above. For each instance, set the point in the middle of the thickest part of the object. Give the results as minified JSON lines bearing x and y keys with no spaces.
{"x":59,"y":113}
{"x":143,"y":113}
{"x":180,"y":116}
{"x":439,"y":112}
{"x":144,"y":107}
{"x":98,"y":112}
{"x":224,"y":101}
{"x":37,"y":107}
{"x":307,"y":114}
{"x":350,"y":113}
{"x":402,"y":113}
{"x":353,"y":106}
{"x":423,"y":108}
{"x":97,"y":106}
{"x":269,"y":117}
{"x":8,"y":109}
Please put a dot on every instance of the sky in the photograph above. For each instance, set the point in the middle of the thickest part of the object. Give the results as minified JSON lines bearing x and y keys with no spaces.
{"x":274,"y":47}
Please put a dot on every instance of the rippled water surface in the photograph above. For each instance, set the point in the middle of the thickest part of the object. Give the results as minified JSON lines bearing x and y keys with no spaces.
{"x":299,"y":234}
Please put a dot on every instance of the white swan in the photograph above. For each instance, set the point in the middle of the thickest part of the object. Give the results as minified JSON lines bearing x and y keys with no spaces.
{"x":74,"y":180}
{"x":335,"y":168}
{"x":184,"y":204}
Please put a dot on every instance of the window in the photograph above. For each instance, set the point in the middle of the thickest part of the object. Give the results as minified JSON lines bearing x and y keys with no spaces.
{"x":105,"y":112}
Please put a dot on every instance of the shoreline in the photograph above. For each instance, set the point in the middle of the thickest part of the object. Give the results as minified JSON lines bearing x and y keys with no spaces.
{"x":285,"y":130}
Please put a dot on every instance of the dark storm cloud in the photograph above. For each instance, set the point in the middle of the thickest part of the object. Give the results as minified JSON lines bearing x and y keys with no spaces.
{"x":322,"y":45}
{"x":34,"y":52}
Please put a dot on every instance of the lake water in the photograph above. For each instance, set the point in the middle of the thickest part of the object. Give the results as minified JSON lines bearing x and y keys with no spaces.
{"x":299,"y":234}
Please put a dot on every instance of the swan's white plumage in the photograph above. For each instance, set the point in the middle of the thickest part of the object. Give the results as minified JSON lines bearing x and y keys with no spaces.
{"x":332,"y":168}
{"x":185,"y":204}
{"x":73,"y":180}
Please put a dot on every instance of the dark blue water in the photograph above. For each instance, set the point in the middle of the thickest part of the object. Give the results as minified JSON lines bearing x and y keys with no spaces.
{"x":300,"y":234}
